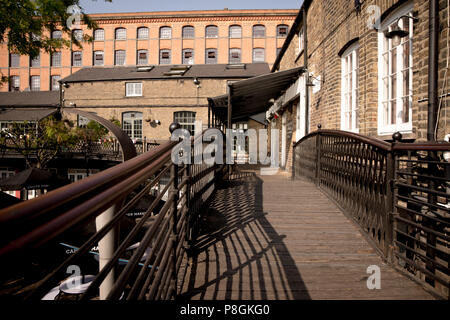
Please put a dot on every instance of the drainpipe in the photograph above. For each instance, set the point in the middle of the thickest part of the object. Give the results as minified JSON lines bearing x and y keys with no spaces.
{"x":433,"y":68}
{"x":305,"y":63}
{"x":447,"y":168}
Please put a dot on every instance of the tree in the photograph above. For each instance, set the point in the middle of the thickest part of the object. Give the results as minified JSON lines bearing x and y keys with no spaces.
{"x":26,"y":25}
{"x":41,"y":142}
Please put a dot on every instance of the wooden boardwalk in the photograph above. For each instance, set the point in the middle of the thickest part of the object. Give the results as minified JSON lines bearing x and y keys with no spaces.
{"x":267,"y":237}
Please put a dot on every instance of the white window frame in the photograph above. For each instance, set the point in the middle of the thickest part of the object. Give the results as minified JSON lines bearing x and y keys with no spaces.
{"x":120,"y":34}
{"x":255,"y":32}
{"x":14,"y":60}
{"x":142,"y":33}
{"x":165,"y":32}
{"x":188,"y":32}
{"x":118,"y":59}
{"x":350,"y":89}
{"x":188,"y":60}
{"x":100,"y":52}
{"x":133,"y":89}
{"x":183,"y":117}
{"x":209,"y":60}
{"x":211,"y":31}
{"x":56,"y":59}
{"x":165,"y":61}
{"x":35,"y":83}
{"x":235,"y":31}
{"x":140,"y":61}
{"x":234,"y":50}
{"x":35,"y":62}
{"x":54,"y":82}
{"x":14,"y":83}
{"x":385,"y":73}
{"x":257,"y":52}
{"x":75,"y":62}
{"x":132,"y":125}
{"x":99,"y":34}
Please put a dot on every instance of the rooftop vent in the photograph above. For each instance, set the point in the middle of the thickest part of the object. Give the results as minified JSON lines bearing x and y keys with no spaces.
{"x":236,"y":66}
{"x":177,"y":70}
{"x":144,"y":69}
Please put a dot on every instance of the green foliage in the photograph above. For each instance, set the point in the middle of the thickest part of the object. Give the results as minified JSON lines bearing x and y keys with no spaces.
{"x":41,"y":142}
{"x":26,"y":25}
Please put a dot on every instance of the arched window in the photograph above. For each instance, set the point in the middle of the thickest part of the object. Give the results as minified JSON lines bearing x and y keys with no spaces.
{"x":186,"y":119}
{"x":121,"y":34}
{"x":211,"y":32}
{"x":211,"y":56}
{"x":132,"y":124}
{"x":258,"y":55}
{"x":282,"y":31}
{"x":119,"y":57}
{"x":99,"y":34}
{"x":57,"y":34}
{"x":164,"y":56}
{"x":235,"y":31}
{"x":78,"y":34}
{"x":188,"y":32}
{"x":142,"y":33}
{"x":188,"y":56}
{"x":165,"y":33}
{"x":235,"y":55}
{"x":142,"y":57}
{"x":259,"y":31}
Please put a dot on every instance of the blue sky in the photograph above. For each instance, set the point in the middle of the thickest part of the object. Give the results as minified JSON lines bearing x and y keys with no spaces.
{"x":100,"y":6}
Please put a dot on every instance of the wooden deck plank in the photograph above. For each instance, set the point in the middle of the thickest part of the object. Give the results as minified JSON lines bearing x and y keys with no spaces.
{"x":268,"y":237}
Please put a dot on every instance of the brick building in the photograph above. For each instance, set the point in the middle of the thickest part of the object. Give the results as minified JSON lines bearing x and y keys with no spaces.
{"x":357,"y":78}
{"x":146,"y":100}
{"x":152,"y":38}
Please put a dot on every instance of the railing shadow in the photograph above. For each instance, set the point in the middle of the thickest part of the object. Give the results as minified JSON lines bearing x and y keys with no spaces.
{"x":239,"y":253}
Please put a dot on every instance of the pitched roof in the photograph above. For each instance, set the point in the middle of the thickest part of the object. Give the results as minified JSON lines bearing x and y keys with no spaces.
{"x":25,"y":114}
{"x":160,"y":72}
{"x":29,"y":99}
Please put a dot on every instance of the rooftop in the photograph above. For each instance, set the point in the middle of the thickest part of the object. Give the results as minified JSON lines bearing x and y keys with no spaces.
{"x":29,"y":99}
{"x":164,"y":72}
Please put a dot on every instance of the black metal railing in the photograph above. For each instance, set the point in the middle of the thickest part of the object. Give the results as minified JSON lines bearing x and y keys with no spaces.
{"x":398,"y":193}
{"x":87,"y":226}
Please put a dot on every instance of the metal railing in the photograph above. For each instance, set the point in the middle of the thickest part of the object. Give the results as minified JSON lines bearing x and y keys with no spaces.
{"x":137,"y":258}
{"x":398,"y":193}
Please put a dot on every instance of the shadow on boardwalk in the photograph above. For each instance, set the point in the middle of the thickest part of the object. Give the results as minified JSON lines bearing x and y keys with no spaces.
{"x":239,"y":254}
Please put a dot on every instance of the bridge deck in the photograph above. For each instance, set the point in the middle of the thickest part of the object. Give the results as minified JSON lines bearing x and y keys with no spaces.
{"x":267,"y":237}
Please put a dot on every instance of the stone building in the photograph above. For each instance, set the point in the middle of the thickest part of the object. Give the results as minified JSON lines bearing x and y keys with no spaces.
{"x":360,"y":78}
{"x":152,"y":38}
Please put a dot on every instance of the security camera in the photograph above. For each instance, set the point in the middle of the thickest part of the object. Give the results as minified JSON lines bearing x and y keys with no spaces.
{"x":196,"y":81}
{"x":157,"y":122}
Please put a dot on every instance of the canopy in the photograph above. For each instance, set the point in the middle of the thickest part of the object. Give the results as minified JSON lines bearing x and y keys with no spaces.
{"x":251,"y":96}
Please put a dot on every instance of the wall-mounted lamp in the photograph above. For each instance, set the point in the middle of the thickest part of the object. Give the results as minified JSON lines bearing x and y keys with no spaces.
{"x":397,"y":33}
{"x":196,"y":81}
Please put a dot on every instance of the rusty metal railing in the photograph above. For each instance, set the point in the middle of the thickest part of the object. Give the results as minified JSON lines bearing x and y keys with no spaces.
{"x":398,"y":193}
{"x":126,"y":229}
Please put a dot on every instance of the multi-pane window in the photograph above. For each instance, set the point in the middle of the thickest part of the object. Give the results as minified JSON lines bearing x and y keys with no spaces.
{"x":235,"y":31}
{"x":14,"y":60}
{"x":258,"y":55}
{"x":119,"y":58}
{"x":142,"y":57}
{"x":57,"y":34}
{"x":55,"y":83}
{"x":77,"y":58}
{"x":56,"y":59}
{"x":349,"y":89}
{"x":98,"y":58}
{"x":211,"y":56}
{"x":14,"y":83}
{"x":134,"y":89}
{"x":188,"y":56}
{"x":259,"y":31}
{"x":188,"y":32}
{"x":235,"y":55}
{"x":395,"y":75}
{"x":82,"y":121}
{"x":142,"y":33}
{"x":186,"y":119}
{"x":301,"y":40}
{"x":165,"y":33}
{"x":36,"y":61}
{"x":132,"y":124}
{"x":282,"y":31}
{"x":211,"y":32}
{"x":121,"y":34}
{"x":35,"y":83}
{"x":164,"y":56}
{"x":78,"y":34}
{"x":99,"y":34}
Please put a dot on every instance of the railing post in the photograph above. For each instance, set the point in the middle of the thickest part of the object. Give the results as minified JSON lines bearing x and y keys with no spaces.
{"x":318,"y":156}
{"x":175,"y":193}
{"x":106,"y":248}
{"x":145,"y":147}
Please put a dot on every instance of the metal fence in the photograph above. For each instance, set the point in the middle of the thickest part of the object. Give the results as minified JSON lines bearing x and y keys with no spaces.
{"x":398,"y":193}
{"x":90,"y":221}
